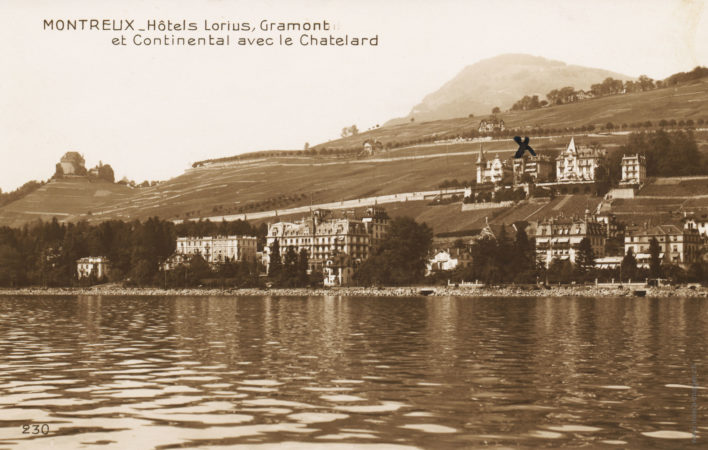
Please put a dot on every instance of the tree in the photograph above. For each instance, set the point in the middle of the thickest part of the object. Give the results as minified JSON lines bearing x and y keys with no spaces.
{"x":198,"y":269}
{"x":631,"y":86}
{"x":58,"y":172}
{"x":141,"y":273}
{"x":496,"y":110}
{"x":105,"y":172}
{"x":567,"y":94}
{"x":654,"y":258}
{"x":302,"y":266}
{"x":527,"y":103}
{"x":585,"y":257}
{"x":696,"y":272}
{"x":645,"y":83}
{"x":350,"y":131}
{"x":560,"y":271}
{"x":289,"y":271}
{"x":10,"y":265}
{"x":629,"y":265}
{"x":553,"y":97}
{"x":668,"y":153}
{"x":605,"y":175}
{"x":525,"y":257}
{"x":275,"y":266}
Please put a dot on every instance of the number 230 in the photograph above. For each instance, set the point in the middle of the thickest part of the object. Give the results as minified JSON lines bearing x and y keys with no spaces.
{"x":35,"y":429}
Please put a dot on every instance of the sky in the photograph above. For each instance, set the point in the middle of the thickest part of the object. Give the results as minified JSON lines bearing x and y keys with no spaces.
{"x":150,"y":111}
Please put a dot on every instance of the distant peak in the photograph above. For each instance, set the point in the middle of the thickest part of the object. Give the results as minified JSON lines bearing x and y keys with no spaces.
{"x":499,"y":81}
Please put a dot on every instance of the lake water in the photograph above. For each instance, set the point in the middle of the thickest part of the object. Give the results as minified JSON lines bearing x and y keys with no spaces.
{"x":430,"y":372}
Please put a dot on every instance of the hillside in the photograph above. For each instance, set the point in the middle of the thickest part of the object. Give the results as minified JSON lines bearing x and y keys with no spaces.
{"x":65,"y":199}
{"x":234,"y":189}
{"x":276,"y":183}
{"x":682,"y":102}
{"x":500,"y":81}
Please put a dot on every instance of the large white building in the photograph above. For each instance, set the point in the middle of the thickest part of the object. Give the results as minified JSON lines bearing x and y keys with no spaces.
{"x":491,"y":125}
{"x":334,"y":246}
{"x":97,"y":265}
{"x":559,"y":238}
{"x":538,"y":168}
{"x":217,"y":249}
{"x":678,"y":245}
{"x":490,"y":171}
{"x":634,"y":169}
{"x":697,"y":221}
{"x":72,"y":163}
{"x":577,"y":164}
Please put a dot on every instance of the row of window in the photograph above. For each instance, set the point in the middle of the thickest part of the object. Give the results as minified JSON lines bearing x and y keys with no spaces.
{"x":332,"y":240}
{"x":647,"y":239}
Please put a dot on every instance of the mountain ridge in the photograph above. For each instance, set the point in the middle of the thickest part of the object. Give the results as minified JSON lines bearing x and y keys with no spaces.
{"x":500,"y":81}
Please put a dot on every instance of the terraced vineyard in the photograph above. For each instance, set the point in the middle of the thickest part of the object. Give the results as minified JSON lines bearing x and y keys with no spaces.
{"x":65,"y":199}
{"x":278,"y":183}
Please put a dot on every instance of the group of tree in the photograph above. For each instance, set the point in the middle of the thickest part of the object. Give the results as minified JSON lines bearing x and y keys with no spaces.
{"x":499,"y":195}
{"x":400,"y":258}
{"x":195,"y":271}
{"x":20,"y":192}
{"x":660,"y":267}
{"x":528,"y":102}
{"x":350,"y":131}
{"x":609,"y":86}
{"x":683,"y":77}
{"x":292,"y":268}
{"x":455,"y":183}
{"x":562,"y":96}
{"x":506,"y":257}
{"x":668,"y":153}
{"x":103,"y":172}
{"x":45,"y":253}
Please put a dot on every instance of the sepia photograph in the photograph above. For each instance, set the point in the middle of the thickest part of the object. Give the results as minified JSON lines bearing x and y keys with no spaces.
{"x":326,"y":224}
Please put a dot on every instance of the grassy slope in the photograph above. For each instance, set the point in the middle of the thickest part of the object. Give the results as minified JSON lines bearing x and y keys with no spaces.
{"x":221,"y":189}
{"x":64,"y":199}
{"x":687,"y":101}
{"x":217,"y":190}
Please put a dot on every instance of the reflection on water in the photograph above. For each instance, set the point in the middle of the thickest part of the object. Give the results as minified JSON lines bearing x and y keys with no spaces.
{"x":420,"y":372}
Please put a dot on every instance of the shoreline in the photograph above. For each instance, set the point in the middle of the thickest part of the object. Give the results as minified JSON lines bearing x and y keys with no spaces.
{"x":441,"y":291}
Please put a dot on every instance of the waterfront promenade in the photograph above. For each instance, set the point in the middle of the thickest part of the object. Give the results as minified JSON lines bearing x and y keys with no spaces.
{"x":438,"y":291}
